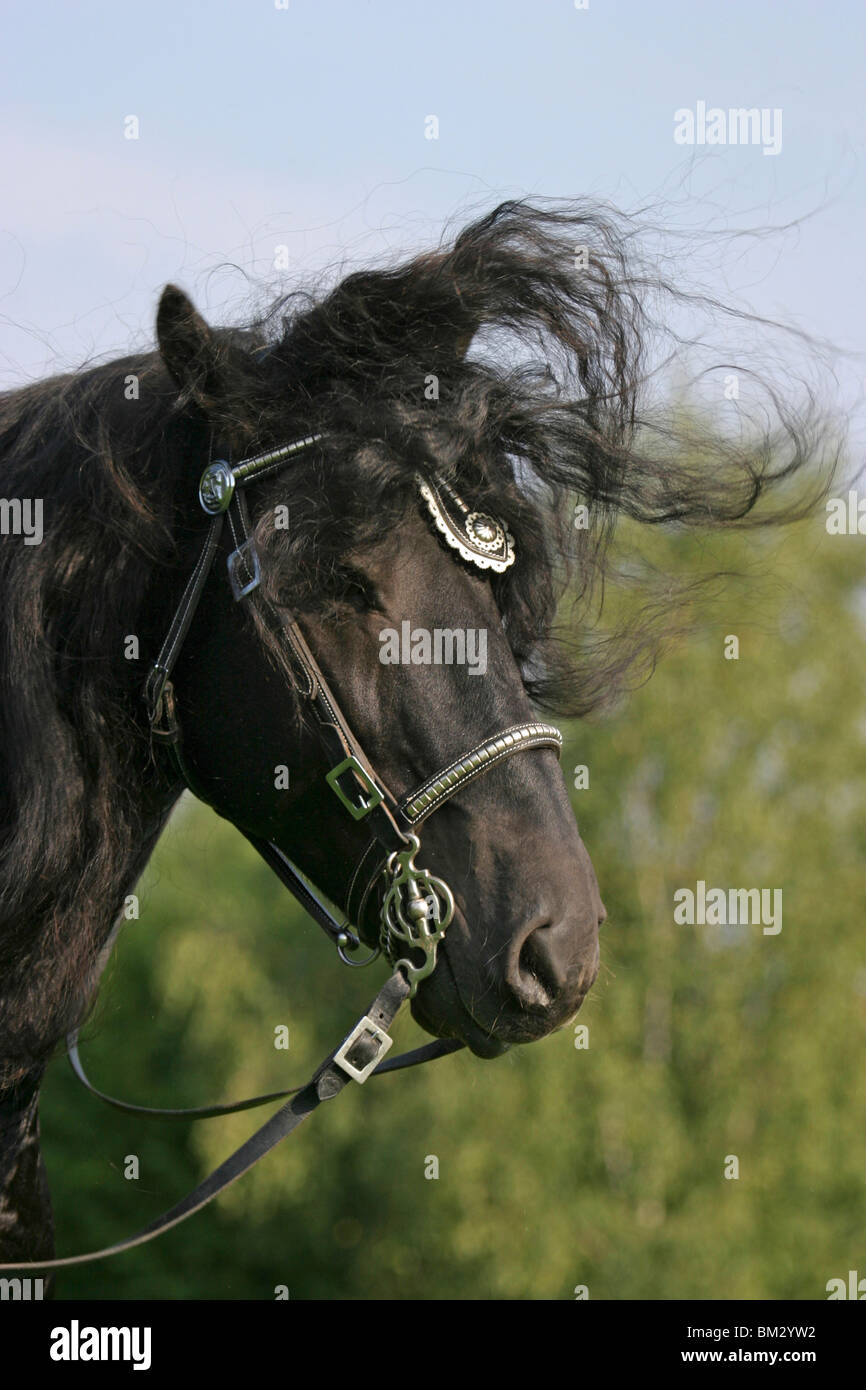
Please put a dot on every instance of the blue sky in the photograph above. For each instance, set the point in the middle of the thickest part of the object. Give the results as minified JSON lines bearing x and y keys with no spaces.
{"x":304,"y":126}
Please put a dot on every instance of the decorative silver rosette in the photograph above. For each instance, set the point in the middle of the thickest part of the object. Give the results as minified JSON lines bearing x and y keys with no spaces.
{"x":476,"y":536}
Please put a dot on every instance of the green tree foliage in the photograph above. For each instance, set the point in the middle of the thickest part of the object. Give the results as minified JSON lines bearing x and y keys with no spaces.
{"x":559,"y":1165}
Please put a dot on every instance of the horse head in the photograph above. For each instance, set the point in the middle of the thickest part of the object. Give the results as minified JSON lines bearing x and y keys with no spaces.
{"x":392,"y":604}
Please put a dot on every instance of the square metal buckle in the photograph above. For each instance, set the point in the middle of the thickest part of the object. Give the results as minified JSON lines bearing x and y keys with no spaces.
{"x":245,"y":572}
{"x":365,"y":1028}
{"x":358,"y":812}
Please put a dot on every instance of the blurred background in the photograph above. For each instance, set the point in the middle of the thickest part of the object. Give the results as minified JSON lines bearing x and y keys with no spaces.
{"x":274,"y":143}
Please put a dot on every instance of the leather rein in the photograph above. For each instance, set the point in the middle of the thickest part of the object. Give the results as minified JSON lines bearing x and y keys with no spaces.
{"x":411,"y":907}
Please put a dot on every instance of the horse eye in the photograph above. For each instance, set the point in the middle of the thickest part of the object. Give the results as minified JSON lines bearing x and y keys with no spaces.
{"x":358,"y":589}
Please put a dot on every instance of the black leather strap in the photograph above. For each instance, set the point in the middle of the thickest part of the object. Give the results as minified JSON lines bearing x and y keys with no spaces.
{"x":327,"y":1082}
{"x":170,"y":735}
{"x":428,"y":1052}
{"x":285,"y":870}
{"x":337,"y":738}
{"x":180,"y":624}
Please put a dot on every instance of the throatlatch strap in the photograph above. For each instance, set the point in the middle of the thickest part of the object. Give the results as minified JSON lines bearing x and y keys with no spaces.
{"x":180,"y":623}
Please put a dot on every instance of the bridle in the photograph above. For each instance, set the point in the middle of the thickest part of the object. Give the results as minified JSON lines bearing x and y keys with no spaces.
{"x":416,"y":907}
{"x":410,"y":908}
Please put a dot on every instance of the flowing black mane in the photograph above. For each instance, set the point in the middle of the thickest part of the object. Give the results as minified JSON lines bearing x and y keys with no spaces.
{"x":380,"y":367}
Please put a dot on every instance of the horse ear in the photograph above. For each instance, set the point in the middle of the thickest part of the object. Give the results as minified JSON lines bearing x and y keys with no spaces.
{"x":187,"y":346}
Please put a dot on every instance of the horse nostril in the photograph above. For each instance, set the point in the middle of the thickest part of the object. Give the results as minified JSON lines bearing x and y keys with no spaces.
{"x":551,"y":969}
{"x":537,"y":978}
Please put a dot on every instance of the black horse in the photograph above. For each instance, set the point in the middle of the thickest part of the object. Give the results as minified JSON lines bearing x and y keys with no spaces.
{"x":378,"y":379}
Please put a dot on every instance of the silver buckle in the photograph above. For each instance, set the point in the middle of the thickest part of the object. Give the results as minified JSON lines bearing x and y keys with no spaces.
{"x":245,"y":572}
{"x":364,"y":807}
{"x":364,"y":1027}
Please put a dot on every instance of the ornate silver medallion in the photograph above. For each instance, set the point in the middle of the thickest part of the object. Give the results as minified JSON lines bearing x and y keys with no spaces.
{"x":216,"y":487}
{"x":476,"y":536}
